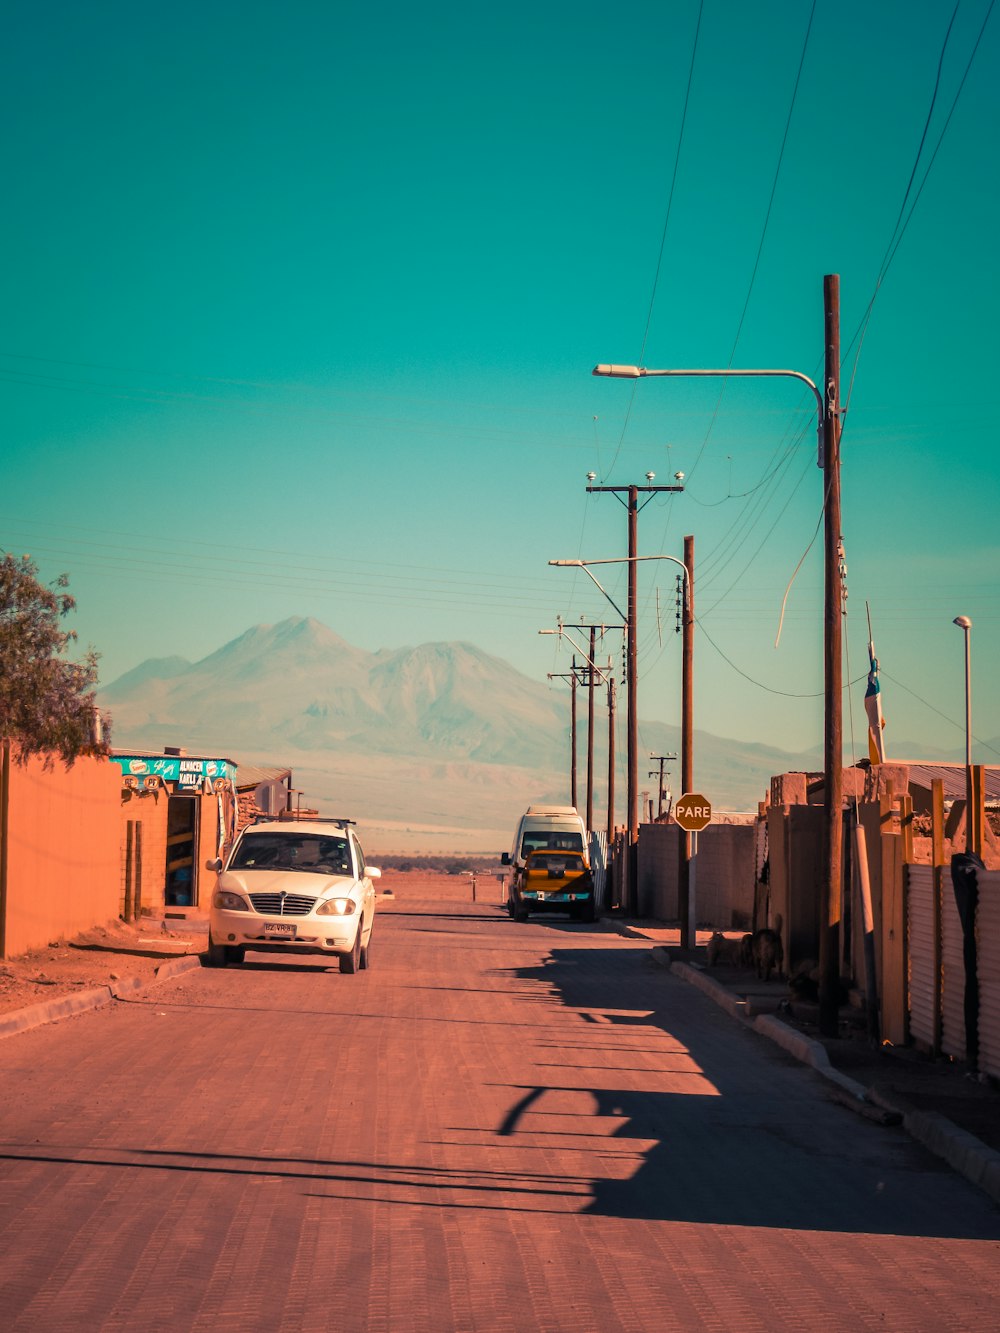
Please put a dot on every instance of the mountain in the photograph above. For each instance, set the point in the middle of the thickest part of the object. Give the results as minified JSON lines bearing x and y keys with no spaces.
{"x":437,"y":741}
{"x":299,"y":685}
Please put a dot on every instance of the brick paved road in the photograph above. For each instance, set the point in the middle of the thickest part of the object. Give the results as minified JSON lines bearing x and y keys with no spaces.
{"x":500,"y":1126}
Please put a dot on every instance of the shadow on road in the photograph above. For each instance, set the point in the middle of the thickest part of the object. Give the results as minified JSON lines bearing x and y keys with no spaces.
{"x":744,"y":1136}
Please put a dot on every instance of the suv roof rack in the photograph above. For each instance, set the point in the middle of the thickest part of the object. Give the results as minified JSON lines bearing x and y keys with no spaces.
{"x":301,"y":817}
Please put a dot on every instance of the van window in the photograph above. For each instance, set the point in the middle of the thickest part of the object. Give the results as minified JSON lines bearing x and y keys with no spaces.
{"x":551,"y":840}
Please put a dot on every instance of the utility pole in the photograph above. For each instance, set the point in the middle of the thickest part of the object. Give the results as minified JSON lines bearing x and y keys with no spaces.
{"x":833,"y":777}
{"x":590,"y":730}
{"x":688,"y":926}
{"x":631,"y":671}
{"x":571,"y":676}
{"x":592,"y":674}
{"x":611,"y":758}
{"x":661,"y":759}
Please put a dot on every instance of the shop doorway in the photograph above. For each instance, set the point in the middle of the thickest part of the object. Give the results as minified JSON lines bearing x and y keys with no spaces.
{"x":182,"y":851}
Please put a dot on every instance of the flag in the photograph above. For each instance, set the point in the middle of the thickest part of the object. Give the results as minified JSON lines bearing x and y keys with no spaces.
{"x":873,"y":707}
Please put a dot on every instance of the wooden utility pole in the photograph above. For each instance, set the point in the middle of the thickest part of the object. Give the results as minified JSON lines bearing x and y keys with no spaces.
{"x":572,"y":693}
{"x":590,"y":730}
{"x":593,"y":675}
{"x":632,"y":689}
{"x":611,"y":758}
{"x":632,"y":676}
{"x":833,"y":774}
{"x":688,"y":926}
{"x":571,"y":676}
{"x":660,"y":759}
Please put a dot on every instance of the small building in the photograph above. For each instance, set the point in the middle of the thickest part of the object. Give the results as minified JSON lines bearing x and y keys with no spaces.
{"x":264,"y":791}
{"x":178,"y":810}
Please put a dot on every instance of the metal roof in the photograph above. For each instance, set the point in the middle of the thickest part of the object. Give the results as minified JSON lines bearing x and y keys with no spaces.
{"x":953,"y":777}
{"x":252,"y":775}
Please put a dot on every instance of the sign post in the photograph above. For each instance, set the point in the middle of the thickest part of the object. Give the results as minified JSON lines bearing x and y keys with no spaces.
{"x":692,"y":812}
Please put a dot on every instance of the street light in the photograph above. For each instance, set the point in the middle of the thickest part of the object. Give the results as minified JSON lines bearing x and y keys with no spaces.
{"x":828,"y":430}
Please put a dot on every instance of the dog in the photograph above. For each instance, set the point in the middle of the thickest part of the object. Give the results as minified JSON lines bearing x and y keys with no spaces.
{"x":720,"y":949}
{"x":767,"y":950}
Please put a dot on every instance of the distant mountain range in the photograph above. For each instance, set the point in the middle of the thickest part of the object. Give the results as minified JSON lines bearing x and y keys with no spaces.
{"x":431,"y":747}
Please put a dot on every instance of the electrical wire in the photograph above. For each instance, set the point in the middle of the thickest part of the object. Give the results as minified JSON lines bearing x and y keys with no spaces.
{"x":769,"y":689}
{"x":663,"y":236}
{"x":760,"y":244}
{"x":960,"y":726}
{"x":903,"y":222}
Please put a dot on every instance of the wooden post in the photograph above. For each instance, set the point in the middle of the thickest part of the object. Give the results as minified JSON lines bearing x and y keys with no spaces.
{"x":893,"y":931}
{"x":975,"y":812}
{"x":129,"y":832}
{"x":137,"y":887}
{"x":937,"y":861}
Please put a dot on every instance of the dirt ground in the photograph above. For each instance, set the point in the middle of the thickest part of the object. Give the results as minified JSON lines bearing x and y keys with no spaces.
{"x":98,"y":957}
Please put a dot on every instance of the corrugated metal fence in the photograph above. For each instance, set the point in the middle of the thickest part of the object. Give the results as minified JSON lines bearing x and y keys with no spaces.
{"x":936,"y":973}
{"x":988,"y":933}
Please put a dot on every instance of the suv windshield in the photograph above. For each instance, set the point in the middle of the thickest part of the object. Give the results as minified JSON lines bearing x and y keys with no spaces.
{"x":293,"y":851}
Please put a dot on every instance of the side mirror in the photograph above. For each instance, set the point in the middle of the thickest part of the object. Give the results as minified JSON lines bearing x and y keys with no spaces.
{"x":505,"y":859}
{"x":214,"y":864}
{"x":373,"y":872}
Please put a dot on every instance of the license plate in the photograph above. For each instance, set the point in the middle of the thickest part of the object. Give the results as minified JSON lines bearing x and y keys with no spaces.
{"x":282,"y":932}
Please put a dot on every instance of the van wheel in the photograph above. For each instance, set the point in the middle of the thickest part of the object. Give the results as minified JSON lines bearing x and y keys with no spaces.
{"x":520,"y":914}
{"x":366,"y":955}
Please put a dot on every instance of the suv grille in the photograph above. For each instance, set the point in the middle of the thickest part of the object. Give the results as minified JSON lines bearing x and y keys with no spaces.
{"x":282,"y":904}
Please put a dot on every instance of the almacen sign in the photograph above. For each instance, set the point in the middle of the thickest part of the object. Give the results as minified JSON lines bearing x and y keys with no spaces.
{"x":693,"y":812}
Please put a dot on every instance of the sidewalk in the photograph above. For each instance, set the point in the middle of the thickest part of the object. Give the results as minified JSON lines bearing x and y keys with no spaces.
{"x":937,"y":1101}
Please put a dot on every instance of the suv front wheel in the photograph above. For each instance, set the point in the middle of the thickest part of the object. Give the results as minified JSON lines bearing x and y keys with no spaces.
{"x":351,"y":962}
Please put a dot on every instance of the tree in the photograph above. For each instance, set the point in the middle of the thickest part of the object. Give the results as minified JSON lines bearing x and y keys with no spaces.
{"x":46,"y":701}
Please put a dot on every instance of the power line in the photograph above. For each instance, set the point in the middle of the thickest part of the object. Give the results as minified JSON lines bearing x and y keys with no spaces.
{"x":663,"y":237}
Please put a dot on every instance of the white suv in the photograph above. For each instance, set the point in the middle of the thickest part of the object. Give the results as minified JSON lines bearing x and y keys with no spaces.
{"x":297,"y":887}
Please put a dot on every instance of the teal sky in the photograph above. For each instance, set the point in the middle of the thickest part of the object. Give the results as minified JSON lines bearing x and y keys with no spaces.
{"x":301,"y":304}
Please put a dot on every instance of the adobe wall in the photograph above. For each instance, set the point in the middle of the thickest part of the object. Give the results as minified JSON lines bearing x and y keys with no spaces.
{"x":62,"y":851}
{"x":724,"y":880}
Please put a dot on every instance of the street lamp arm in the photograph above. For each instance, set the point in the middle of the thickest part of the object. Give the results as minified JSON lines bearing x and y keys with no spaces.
{"x":620,"y":560}
{"x":581,"y":564}
{"x":641,"y":372}
{"x":599,"y":671}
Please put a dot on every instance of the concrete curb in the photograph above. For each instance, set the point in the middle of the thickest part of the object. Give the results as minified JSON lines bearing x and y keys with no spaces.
{"x":723,"y":998}
{"x":21,"y":1020}
{"x":962,"y":1151}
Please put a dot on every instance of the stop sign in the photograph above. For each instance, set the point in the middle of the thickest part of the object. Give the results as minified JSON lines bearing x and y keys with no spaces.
{"x":692,"y":812}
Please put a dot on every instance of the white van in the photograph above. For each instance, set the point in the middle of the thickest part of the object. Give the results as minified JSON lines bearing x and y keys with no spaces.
{"x":555,"y":828}
{"x":545,"y":829}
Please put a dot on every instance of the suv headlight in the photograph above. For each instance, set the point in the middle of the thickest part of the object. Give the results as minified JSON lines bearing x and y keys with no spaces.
{"x":229,"y":902}
{"x":337,"y":907}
